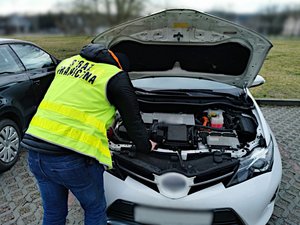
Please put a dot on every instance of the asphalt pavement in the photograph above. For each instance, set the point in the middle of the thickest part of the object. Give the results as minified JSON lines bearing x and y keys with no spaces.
{"x":20,"y":201}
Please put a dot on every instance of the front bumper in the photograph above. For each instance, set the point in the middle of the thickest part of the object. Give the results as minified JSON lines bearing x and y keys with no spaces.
{"x":252,"y":200}
{"x":121,"y":213}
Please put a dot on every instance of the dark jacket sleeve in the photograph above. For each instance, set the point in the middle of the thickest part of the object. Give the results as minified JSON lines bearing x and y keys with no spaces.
{"x":120,"y":93}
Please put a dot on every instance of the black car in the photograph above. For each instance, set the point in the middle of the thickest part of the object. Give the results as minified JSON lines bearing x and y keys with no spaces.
{"x":26,"y":72}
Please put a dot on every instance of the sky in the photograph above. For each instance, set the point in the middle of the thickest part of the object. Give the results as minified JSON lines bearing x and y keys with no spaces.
{"x":238,"y":6}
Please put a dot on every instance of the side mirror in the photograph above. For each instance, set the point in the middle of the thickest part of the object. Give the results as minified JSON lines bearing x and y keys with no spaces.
{"x":259,"y":80}
{"x":55,"y":60}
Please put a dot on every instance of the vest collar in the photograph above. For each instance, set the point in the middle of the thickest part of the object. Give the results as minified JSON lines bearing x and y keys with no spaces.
{"x":98,"y":53}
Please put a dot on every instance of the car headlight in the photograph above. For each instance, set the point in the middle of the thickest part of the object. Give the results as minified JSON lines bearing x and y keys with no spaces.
{"x":260,"y":161}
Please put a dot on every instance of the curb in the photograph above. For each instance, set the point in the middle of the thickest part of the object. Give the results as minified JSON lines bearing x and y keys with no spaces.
{"x":278,"y":102}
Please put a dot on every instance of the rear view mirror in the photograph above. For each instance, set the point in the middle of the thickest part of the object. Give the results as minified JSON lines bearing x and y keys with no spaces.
{"x":259,"y":80}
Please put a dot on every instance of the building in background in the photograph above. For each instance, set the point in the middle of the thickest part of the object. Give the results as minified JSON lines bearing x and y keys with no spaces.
{"x":291,"y":26}
{"x":15,"y":24}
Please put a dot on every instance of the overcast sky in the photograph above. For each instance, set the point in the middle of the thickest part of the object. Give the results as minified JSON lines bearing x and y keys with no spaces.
{"x":239,"y":6}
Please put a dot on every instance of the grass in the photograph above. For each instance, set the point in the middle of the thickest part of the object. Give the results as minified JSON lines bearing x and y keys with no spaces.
{"x":59,"y":46}
{"x":281,"y":68}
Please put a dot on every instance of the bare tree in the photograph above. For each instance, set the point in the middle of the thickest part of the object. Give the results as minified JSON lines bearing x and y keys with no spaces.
{"x":117,"y":11}
{"x":125,"y":9}
{"x":271,"y":19}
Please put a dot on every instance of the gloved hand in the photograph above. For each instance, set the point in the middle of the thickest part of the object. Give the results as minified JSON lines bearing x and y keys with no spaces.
{"x":153,"y":145}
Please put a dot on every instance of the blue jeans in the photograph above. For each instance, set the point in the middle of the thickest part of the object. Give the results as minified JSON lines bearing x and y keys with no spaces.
{"x":56,"y":175}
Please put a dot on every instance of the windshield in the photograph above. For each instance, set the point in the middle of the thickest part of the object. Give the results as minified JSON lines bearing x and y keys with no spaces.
{"x":177,"y":83}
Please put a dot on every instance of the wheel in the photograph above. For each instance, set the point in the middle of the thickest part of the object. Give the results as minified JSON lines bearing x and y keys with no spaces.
{"x":10,"y":138}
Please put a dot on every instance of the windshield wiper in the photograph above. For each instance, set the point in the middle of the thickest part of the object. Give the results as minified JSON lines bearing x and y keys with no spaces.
{"x":6,"y":73}
{"x":192,"y":92}
{"x":166,"y":92}
{"x":210,"y":92}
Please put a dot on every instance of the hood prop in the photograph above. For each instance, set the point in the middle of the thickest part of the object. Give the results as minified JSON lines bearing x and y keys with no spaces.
{"x":245,"y":93}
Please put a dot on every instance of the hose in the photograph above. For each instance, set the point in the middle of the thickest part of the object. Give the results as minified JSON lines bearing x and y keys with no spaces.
{"x":213,"y":128}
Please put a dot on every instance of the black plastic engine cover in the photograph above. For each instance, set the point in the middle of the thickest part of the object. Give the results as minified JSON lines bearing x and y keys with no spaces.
{"x":172,"y":136}
{"x":177,"y":133}
{"x":247,"y":129}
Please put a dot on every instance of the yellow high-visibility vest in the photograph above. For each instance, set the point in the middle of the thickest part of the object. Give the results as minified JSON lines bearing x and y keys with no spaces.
{"x":75,"y":112}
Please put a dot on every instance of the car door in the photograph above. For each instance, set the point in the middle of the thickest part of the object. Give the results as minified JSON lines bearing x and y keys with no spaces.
{"x":16,"y":94}
{"x":40,"y":67}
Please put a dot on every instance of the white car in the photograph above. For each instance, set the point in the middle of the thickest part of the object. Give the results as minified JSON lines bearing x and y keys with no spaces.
{"x":217,"y":161}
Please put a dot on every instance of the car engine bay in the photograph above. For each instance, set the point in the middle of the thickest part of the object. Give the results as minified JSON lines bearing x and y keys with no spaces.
{"x":212,"y":130}
{"x":205,"y":142}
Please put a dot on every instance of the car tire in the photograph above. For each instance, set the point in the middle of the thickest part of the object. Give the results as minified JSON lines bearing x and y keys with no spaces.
{"x":10,"y":138}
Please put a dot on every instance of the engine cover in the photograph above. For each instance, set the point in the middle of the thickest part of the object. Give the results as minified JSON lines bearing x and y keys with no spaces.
{"x":168,"y":118}
{"x":172,"y":136}
{"x":214,"y":141}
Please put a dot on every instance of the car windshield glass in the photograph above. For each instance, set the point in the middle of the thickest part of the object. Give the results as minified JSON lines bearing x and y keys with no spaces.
{"x":179,"y":83}
{"x":7,"y":62}
{"x":32,"y":57}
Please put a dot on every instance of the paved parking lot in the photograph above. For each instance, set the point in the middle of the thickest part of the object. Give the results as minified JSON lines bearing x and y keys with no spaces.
{"x":20,"y":201}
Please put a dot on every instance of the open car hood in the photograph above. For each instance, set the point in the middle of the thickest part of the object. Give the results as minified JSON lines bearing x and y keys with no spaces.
{"x":188,"y":43}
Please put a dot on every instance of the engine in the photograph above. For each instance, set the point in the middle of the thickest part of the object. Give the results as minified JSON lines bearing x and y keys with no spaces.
{"x":210,"y":130}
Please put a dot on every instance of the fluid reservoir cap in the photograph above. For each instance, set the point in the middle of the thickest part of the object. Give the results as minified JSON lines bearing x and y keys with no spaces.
{"x":218,"y":157}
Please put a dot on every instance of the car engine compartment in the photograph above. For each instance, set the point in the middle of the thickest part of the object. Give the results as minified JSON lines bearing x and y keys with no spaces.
{"x":210,"y":130}
{"x":203,"y":142}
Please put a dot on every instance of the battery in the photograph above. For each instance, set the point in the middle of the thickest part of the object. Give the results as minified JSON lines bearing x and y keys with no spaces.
{"x":222,"y":141}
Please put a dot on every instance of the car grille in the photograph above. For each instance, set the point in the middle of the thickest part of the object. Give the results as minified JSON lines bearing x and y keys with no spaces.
{"x":123,"y":211}
{"x":144,"y":173}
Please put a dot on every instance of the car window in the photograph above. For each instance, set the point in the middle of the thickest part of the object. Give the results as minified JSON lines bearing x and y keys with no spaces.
{"x":8,"y":63}
{"x":32,"y":57}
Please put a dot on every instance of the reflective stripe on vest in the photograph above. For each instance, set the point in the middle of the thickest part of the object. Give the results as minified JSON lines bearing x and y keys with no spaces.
{"x":75,"y":112}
